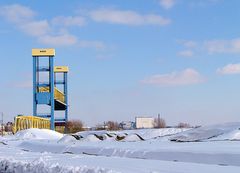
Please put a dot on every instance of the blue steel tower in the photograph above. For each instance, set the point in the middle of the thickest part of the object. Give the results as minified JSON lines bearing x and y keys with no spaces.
{"x":46,"y":93}
{"x":61,"y":97}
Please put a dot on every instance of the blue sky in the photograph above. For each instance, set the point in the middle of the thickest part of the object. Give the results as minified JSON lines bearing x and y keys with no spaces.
{"x":127,"y":58}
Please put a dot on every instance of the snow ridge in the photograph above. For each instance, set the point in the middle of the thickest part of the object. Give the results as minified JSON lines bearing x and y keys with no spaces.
{"x":41,"y":166}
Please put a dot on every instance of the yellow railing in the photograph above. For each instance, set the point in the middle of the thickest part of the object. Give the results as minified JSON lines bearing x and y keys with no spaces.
{"x":58,"y":95}
{"x":26,"y":122}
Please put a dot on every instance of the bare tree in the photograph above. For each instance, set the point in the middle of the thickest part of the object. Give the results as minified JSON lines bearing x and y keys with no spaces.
{"x":183,"y":125}
{"x":100,"y":127}
{"x":111,"y":125}
{"x":74,"y":126}
{"x":159,"y":123}
{"x":9,"y":127}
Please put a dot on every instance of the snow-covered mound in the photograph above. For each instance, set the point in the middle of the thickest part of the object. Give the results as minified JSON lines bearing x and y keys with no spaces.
{"x":107,"y":137}
{"x":228,"y":131}
{"x":132,"y":138}
{"x":232,"y":136}
{"x":38,"y":134}
{"x":67,"y":139}
{"x":84,"y":134}
{"x":154,"y":133}
{"x":91,"y":138}
{"x":130,"y":135}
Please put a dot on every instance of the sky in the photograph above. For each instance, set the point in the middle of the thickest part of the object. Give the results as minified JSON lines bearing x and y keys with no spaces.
{"x":176,"y":58}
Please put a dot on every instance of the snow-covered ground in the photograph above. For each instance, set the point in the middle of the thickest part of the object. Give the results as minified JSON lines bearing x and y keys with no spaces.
{"x":171,"y":150}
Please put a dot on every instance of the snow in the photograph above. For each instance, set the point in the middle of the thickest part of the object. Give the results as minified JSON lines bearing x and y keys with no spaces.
{"x":49,"y":162}
{"x":128,"y":135}
{"x":67,"y":139}
{"x":38,"y":134}
{"x":232,"y":135}
{"x":207,"y":149}
{"x":91,"y":138}
{"x":84,"y":134}
{"x":206,"y":133}
{"x":40,"y":166}
{"x":155,"y":133}
{"x":132,"y":138}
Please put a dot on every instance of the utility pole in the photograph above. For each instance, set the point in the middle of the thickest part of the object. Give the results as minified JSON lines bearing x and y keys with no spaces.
{"x":2,"y":122}
{"x":158,"y":120}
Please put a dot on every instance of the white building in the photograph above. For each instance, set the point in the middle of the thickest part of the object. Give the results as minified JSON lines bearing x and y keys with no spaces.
{"x":144,"y":122}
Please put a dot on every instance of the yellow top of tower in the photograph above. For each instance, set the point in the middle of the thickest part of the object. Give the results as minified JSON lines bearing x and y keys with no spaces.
{"x":60,"y":69}
{"x":43,"y":52}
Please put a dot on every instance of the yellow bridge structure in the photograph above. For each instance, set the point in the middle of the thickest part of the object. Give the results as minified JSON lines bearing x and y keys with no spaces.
{"x":25,"y":122}
{"x":58,"y":95}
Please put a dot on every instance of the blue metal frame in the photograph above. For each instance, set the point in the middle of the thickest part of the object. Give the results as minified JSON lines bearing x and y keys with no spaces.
{"x":34,"y":85}
{"x":43,"y":98}
{"x":51,"y":63}
{"x":66,"y":95}
{"x":47,"y":98}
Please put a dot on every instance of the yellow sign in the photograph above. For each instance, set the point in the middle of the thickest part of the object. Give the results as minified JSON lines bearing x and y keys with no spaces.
{"x":43,"y":52}
{"x":60,"y":69}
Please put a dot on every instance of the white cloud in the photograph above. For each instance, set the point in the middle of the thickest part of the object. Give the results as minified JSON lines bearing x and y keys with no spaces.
{"x":92,"y":44}
{"x":186,"y":77}
{"x":66,"y":39}
{"x":188,"y":43}
{"x":24,"y":19}
{"x":229,"y":69}
{"x":127,"y":17}
{"x":16,"y":13}
{"x":58,"y":40}
{"x":186,"y":53}
{"x":69,"y":21}
{"x":167,"y":4}
{"x":223,"y":46}
{"x":218,"y":46}
{"x":36,"y":28}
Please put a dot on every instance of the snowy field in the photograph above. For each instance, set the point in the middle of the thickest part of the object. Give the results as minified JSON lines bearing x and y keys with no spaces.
{"x":171,"y":150}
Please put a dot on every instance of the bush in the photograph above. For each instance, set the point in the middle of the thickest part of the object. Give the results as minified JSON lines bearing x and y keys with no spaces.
{"x":183,"y":125}
{"x":74,"y":126}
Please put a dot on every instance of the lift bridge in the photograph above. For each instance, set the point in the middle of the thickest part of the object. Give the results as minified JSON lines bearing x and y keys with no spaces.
{"x":46,"y":93}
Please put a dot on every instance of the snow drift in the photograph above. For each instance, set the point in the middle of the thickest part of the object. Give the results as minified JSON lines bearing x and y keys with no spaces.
{"x":67,"y":139}
{"x":41,"y":166}
{"x":38,"y":134}
{"x":127,"y":135}
{"x":227,"y":131}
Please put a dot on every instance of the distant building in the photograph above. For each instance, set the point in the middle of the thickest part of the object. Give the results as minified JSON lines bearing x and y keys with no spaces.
{"x":127,"y":125}
{"x":144,"y":122}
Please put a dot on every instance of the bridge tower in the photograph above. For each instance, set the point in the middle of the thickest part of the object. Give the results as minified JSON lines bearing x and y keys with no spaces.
{"x":61,"y":96}
{"x":46,"y":92}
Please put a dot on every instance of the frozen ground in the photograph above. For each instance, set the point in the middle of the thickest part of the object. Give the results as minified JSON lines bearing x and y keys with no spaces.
{"x":206,"y":149}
